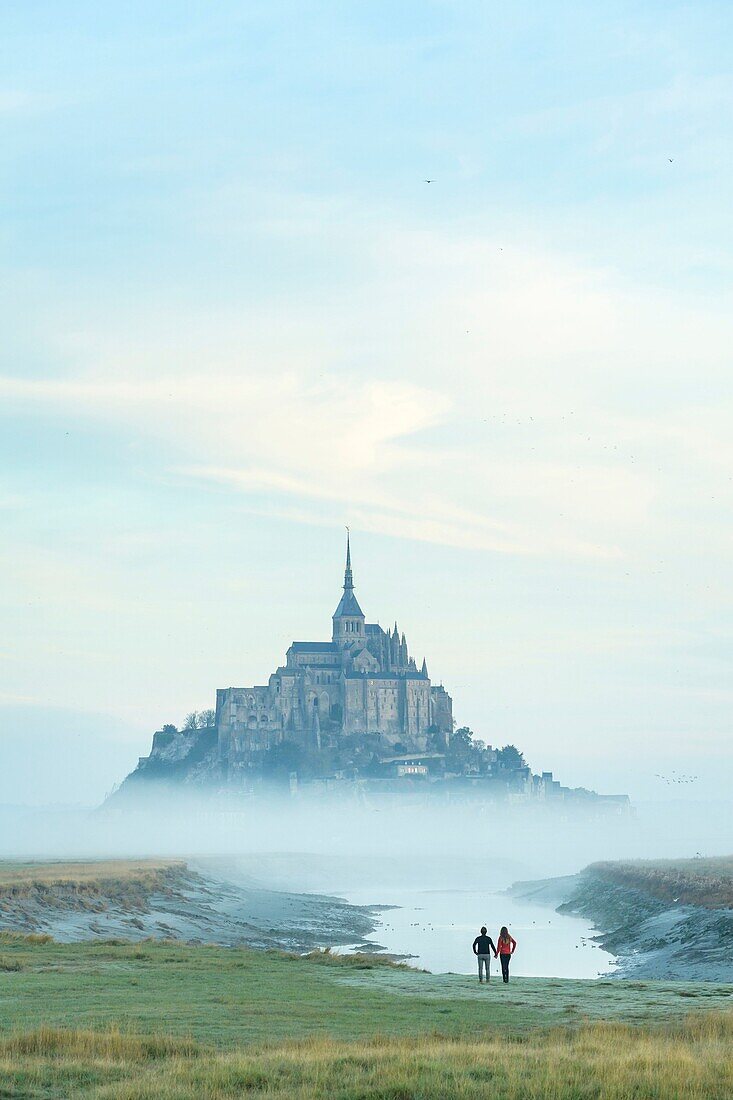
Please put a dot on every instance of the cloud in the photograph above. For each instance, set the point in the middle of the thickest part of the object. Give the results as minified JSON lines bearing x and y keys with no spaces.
{"x":13,"y":101}
{"x":392,"y":514}
{"x":478,"y":395}
{"x":346,"y":446}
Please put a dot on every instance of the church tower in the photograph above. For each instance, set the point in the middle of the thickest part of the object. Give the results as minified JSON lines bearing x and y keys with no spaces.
{"x":348,"y":618}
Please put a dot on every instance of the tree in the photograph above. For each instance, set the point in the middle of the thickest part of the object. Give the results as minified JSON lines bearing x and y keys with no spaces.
{"x":170,"y":728}
{"x":192,"y":721}
{"x":510,"y":758}
{"x":460,"y":750}
{"x":207,"y":718}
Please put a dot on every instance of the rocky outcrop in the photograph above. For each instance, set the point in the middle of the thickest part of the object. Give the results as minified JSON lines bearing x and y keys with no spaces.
{"x":178,"y":757}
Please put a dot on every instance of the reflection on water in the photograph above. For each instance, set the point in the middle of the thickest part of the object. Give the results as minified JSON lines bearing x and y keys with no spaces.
{"x":439,"y":927}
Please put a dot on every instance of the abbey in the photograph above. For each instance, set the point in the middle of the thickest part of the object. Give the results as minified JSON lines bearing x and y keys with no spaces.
{"x":362,"y":682}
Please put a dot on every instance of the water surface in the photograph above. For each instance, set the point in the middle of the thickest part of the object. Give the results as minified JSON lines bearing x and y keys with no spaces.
{"x":438,"y":928}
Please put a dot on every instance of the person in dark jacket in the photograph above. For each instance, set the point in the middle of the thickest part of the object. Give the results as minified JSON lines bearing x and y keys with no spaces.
{"x":482,"y":947}
{"x":505,"y":948}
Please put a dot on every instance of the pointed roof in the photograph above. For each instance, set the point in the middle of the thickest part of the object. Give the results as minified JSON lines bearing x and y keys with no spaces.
{"x":348,"y":604}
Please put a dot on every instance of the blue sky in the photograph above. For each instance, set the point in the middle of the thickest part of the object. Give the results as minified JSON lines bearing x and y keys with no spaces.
{"x":236,"y":318}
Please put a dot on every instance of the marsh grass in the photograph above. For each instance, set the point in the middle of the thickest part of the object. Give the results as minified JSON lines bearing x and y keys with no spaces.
{"x":31,"y":938}
{"x":611,"y":1061}
{"x":707,"y":882}
{"x":90,"y":885}
{"x":87,"y":873}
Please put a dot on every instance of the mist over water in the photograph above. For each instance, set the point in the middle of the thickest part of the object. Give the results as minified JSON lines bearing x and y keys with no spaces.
{"x":537,"y":840}
{"x":445,"y":866}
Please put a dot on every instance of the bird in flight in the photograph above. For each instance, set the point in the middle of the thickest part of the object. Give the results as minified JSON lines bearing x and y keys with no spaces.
{"x":671,"y":160}
{"x":427,"y":181}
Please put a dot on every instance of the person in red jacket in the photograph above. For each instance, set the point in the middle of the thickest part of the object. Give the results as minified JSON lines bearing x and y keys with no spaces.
{"x":506,"y":945}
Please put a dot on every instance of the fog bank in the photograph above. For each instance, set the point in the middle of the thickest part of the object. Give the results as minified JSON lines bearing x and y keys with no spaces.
{"x":311,"y":845}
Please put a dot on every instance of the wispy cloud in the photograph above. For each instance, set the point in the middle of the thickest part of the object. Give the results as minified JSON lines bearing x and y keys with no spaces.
{"x":14,"y":101}
{"x":503,"y":406}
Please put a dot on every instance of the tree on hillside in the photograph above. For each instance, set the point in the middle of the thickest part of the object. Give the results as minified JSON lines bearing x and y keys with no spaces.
{"x":199,"y":719}
{"x":460,"y":750}
{"x":510,"y":758}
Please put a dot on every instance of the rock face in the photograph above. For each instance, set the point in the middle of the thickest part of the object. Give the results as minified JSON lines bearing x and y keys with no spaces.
{"x":178,"y":757}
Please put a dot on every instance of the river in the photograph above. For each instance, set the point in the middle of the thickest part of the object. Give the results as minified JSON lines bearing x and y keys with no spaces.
{"x":437,"y":928}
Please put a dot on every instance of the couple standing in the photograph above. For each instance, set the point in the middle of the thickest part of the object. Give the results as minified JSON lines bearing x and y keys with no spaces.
{"x":483,"y":945}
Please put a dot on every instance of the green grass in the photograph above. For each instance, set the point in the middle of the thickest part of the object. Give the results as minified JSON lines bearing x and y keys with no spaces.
{"x":166,"y":1020}
{"x":225,"y":997}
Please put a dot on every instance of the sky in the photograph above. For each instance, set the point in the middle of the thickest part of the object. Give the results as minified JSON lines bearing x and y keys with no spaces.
{"x":236,"y":317}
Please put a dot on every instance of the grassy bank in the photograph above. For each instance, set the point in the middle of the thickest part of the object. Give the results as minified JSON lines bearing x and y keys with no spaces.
{"x":167,"y":1020}
{"x":93,"y":876}
{"x":704,"y":882}
{"x":139,"y":899}
{"x":63,"y":884}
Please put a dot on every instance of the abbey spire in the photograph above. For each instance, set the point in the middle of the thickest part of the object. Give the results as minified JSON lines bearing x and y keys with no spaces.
{"x":348,"y":618}
{"x":348,"y":575}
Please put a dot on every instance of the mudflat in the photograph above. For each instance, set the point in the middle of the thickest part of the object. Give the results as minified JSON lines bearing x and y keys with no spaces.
{"x":137,"y":899}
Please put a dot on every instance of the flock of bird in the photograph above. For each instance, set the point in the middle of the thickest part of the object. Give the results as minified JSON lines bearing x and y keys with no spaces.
{"x":675,"y":777}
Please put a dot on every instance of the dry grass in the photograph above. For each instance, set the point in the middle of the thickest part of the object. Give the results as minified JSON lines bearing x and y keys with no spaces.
{"x":50,"y":1042}
{"x":10,"y":965}
{"x":88,"y":873}
{"x":609,"y":1061}
{"x":89,"y":885}
{"x":704,"y":882}
{"x":30,"y":938}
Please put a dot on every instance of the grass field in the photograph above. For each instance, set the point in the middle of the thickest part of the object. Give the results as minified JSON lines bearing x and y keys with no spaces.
{"x":167,"y":1020}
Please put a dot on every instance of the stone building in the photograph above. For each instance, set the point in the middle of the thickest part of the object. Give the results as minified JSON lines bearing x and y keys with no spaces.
{"x":363,"y":681}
